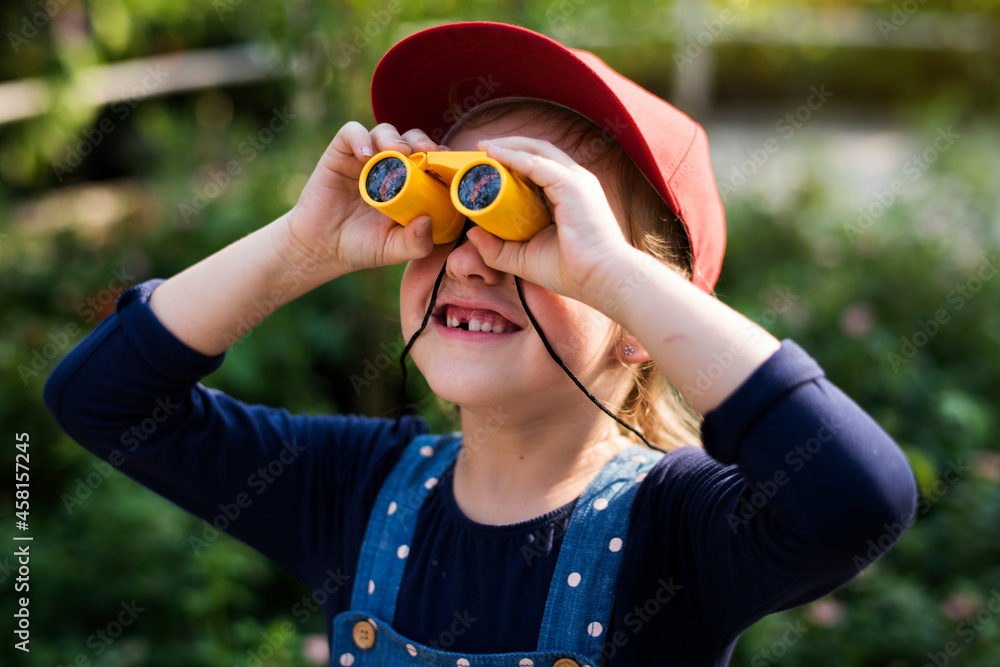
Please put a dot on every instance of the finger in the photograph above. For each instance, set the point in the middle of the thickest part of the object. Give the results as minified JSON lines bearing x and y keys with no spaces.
{"x":553,"y":174}
{"x":386,"y":137}
{"x":532,"y":146}
{"x":505,"y":256}
{"x":410,"y":242}
{"x":352,"y":139}
{"x":419,"y":141}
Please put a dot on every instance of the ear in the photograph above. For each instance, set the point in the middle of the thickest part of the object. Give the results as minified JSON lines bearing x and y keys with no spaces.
{"x":630,"y":343}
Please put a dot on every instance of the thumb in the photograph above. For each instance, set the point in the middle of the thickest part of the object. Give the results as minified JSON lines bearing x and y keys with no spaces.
{"x":410,"y":242}
{"x":505,"y":256}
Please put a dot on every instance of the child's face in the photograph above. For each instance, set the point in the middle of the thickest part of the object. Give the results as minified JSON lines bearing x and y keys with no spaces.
{"x":512,"y":368}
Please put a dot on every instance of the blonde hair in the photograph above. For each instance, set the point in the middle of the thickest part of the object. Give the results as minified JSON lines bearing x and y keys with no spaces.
{"x":653,"y":406}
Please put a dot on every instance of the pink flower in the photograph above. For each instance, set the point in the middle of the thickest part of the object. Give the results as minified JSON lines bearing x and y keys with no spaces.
{"x":826,"y":612}
{"x":987,"y":464}
{"x":857,"y":319}
{"x":316,"y":650}
{"x":960,"y":606}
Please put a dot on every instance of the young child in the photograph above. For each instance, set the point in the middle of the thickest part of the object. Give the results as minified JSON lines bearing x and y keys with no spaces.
{"x":541,"y":534}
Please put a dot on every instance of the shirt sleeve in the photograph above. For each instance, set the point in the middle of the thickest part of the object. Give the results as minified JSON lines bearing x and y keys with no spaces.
{"x":796,"y":491}
{"x":291,"y":486}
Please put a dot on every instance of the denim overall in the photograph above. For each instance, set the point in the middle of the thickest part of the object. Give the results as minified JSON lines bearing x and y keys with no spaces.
{"x":578,"y":608}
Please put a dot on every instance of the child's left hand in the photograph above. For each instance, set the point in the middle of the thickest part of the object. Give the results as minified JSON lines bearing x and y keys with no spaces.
{"x":574,"y":257}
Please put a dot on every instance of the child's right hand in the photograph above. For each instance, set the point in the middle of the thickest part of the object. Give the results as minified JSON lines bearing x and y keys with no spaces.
{"x":330,"y":231}
{"x":333,"y":222}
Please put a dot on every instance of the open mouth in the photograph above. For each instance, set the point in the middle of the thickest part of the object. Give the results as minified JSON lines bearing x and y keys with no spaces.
{"x":475,"y":319}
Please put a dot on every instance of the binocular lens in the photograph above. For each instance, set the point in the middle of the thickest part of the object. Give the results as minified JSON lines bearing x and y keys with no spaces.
{"x":386,"y":179}
{"x":479,"y":187}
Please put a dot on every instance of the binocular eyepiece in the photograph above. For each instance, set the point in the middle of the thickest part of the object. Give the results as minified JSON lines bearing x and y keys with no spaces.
{"x":451,"y":186}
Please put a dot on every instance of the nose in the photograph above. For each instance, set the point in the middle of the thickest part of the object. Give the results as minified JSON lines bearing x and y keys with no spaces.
{"x":465,"y":264}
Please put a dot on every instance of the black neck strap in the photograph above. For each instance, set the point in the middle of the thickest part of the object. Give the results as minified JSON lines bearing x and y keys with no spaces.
{"x":405,"y":406}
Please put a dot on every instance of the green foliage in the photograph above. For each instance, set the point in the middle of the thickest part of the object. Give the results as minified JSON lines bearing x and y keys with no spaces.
{"x":146,"y":201}
{"x":867,"y":296}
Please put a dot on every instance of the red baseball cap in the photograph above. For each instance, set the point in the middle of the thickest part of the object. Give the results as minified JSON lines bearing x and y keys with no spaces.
{"x":420,"y":82}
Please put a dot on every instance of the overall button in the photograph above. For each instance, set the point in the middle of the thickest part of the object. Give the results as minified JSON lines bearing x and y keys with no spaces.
{"x":566,"y":662}
{"x":364,"y":636}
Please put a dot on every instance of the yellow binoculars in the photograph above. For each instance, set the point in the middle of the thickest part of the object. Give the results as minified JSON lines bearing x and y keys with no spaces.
{"x":451,"y":186}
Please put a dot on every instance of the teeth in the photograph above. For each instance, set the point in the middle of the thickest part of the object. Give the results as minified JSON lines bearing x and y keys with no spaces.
{"x":476,"y":325}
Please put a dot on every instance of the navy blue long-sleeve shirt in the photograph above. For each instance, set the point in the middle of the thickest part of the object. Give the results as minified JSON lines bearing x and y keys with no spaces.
{"x":793,"y":486}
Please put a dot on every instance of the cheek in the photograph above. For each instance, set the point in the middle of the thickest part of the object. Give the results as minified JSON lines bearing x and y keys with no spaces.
{"x":418,"y":281}
{"x":591,"y":335}
{"x":415,"y":290}
{"x":574,"y":330}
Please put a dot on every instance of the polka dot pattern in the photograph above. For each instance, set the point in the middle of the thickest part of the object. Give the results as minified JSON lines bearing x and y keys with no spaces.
{"x":573,"y":579}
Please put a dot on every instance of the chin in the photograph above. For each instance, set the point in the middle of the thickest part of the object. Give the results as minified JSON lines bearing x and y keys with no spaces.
{"x":470,"y":389}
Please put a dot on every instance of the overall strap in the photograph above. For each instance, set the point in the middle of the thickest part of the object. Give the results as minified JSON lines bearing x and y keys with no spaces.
{"x":578,"y":609}
{"x":390,"y":526}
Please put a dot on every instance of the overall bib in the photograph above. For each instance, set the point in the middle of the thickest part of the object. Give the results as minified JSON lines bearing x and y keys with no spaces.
{"x":578,"y":608}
